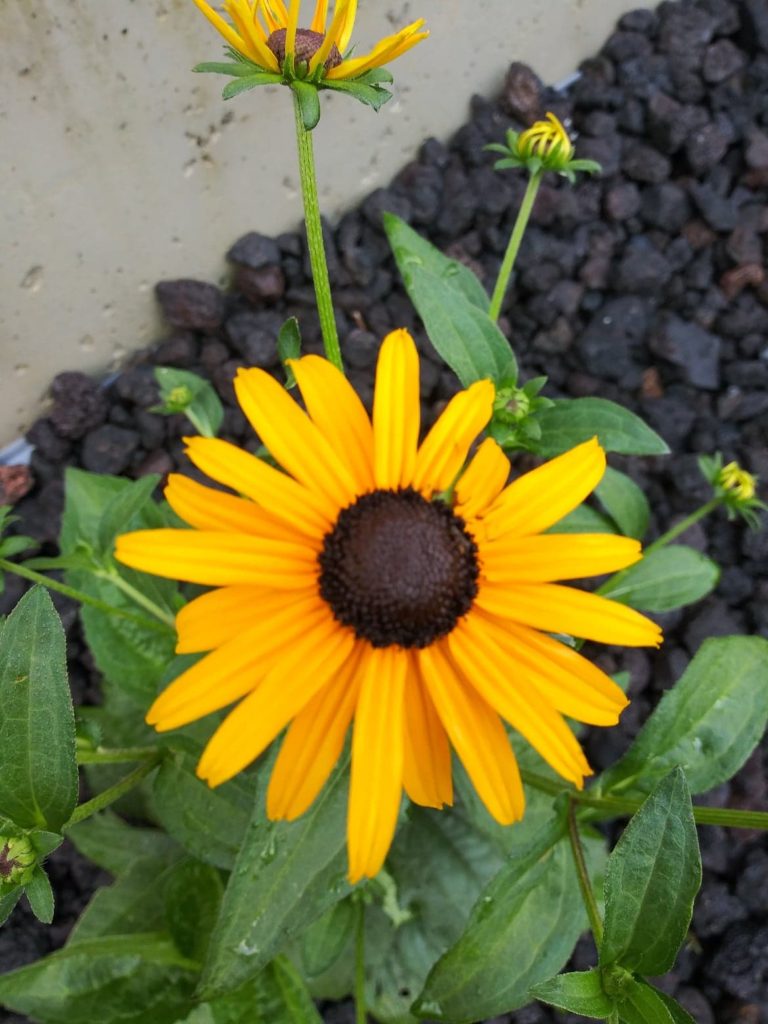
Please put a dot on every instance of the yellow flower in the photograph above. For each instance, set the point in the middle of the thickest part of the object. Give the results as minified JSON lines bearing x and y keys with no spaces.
{"x":348,"y":591}
{"x":546,"y":140}
{"x":266,"y":32}
{"x":737,"y":482}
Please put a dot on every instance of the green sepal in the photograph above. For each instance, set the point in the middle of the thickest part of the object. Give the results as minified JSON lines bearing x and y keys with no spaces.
{"x":44,"y":843}
{"x":372,"y":95}
{"x":40,"y":895}
{"x":309,"y":103}
{"x":8,"y":902}
{"x":251,"y":81}
{"x":580,"y":992}
{"x":237,"y":69}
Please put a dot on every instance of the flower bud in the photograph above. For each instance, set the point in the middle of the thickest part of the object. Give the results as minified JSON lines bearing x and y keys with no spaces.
{"x":17,"y":860}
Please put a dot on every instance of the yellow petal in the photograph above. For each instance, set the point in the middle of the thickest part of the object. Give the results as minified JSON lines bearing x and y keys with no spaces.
{"x":482,"y":481}
{"x":294,"y":7}
{"x":476,"y":733}
{"x":220,"y":615}
{"x":224,"y":29}
{"x":293,"y":439}
{"x":377,"y":761}
{"x":387,"y":49}
{"x":535,"y":501}
{"x":272,"y":490}
{"x":336,"y":409}
{"x":572,"y":684}
{"x":331,"y":36}
{"x":275,"y":13}
{"x":485,"y":665}
{"x":313,"y":744}
{"x":320,"y":17}
{"x":251,"y":32}
{"x":396,"y":411}
{"x":303,"y":670}
{"x":427,"y":765}
{"x":445,"y":448}
{"x":219,"y":559}
{"x":557,"y":609}
{"x":209,"y":509}
{"x":556,"y":557}
{"x":235,"y":668}
{"x":347,"y":26}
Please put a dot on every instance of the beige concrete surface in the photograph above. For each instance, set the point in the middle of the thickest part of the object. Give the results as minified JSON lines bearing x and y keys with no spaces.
{"x":118,"y":167}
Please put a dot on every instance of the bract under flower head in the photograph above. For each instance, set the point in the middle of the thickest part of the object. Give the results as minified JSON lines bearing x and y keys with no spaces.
{"x":349,"y":590}
{"x":272,"y":44}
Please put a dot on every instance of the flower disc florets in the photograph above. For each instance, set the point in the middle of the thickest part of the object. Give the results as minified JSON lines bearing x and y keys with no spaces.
{"x":398,"y":569}
{"x":307,"y":45}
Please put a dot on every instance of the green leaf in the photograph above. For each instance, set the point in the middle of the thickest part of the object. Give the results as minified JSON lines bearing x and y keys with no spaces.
{"x":570,"y":421}
{"x":183,"y":391}
{"x":463,"y":335}
{"x":667,"y":578}
{"x":580,"y":993}
{"x":134,"y":979}
{"x":192,"y":899}
{"x":324,"y":940}
{"x":521,"y":931}
{"x":44,"y":843}
{"x":286,"y":875}
{"x":235,"y":68}
{"x":38,"y":772}
{"x":289,"y":347}
{"x":624,"y":502}
{"x":309,"y":103}
{"x":277,"y":996}
{"x":40,"y":895}
{"x":675,"y":1010}
{"x":410,"y":249}
{"x":8,"y":902}
{"x":709,"y":722}
{"x":652,"y":878}
{"x":209,"y":823}
{"x":642,"y":1004}
{"x":583,"y":520}
{"x":246,"y":82}
{"x":115,"y":846}
{"x":121,"y":510}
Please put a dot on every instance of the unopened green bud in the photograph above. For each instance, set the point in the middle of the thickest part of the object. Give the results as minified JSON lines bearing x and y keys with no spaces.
{"x":17,"y":860}
{"x":179,"y":398}
{"x":511,"y":405}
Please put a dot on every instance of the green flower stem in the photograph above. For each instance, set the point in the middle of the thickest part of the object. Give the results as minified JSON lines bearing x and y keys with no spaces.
{"x":77,"y":595}
{"x":113,"y":577}
{"x":315,"y":239}
{"x":621,"y":807}
{"x":683,"y":525}
{"x":117,"y":755}
{"x":360,"y":1014}
{"x":513,"y":247}
{"x":113,"y":793}
{"x":585,"y":883}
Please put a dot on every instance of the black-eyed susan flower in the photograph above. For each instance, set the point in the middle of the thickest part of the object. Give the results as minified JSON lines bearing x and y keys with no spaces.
{"x":349,"y":590}
{"x":545,"y":146}
{"x":271,"y":43}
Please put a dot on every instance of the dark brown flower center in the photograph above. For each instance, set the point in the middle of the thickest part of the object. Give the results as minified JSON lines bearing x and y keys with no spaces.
{"x":307,"y":45}
{"x":398,"y":569}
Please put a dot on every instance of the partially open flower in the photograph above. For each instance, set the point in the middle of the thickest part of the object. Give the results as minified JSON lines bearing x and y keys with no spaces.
{"x":390,"y":583}
{"x":735,"y":488}
{"x":270,"y":43}
{"x":545,"y":146}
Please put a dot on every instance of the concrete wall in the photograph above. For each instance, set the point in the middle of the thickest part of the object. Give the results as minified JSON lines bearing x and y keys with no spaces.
{"x":118,"y":167}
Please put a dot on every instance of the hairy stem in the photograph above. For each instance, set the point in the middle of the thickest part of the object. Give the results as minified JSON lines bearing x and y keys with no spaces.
{"x":315,"y":240}
{"x":502,"y":282}
{"x":113,"y":577}
{"x":585,"y":883}
{"x":113,"y":793}
{"x":117,"y":755}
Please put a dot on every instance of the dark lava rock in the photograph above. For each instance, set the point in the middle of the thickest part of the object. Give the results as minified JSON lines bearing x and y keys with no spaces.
{"x":644,"y":163}
{"x":523,"y":94}
{"x":721,"y":60}
{"x":193,"y":304}
{"x":741,"y":965}
{"x":256,"y":251}
{"x":665,"y":206}
{"x":643,"y":270}
{"x":607,"y":342}
{"x":716,"y":909}
{"x":622,"y":201}
{"x":254,"y":336}
{"x":108,"y":449}
{"x":695,"y":351}
{"x":706,"y":146}
{"x":79,"y":405}
{"x":262,"y":285}
{"x":179,"y":349}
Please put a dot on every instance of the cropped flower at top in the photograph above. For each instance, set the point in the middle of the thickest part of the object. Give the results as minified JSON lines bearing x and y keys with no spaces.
{"x":389,"y":584}
{"x":266,"y":32}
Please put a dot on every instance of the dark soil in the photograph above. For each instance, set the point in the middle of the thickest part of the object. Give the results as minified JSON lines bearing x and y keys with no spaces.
{"x":646,"y":286}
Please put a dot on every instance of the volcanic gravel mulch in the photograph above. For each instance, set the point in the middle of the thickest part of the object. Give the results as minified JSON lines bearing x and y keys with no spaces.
{"x":646,"y":286}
